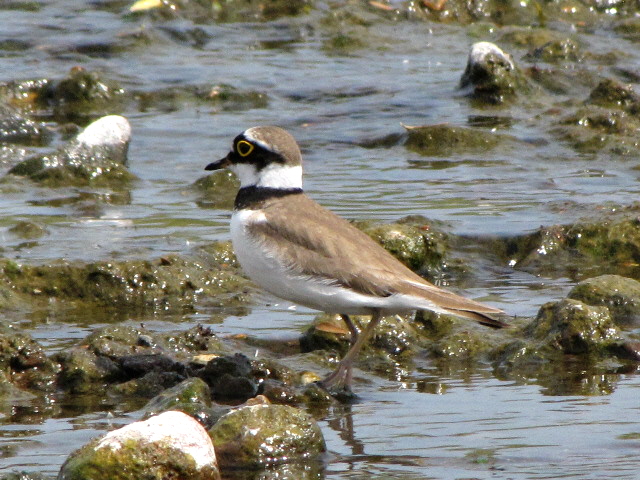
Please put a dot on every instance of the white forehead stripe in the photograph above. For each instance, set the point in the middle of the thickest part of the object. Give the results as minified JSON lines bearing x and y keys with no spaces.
{"x":250,"y":134}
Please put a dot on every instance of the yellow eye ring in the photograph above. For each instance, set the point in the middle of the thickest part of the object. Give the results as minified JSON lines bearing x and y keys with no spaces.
{"x":244,"y":148}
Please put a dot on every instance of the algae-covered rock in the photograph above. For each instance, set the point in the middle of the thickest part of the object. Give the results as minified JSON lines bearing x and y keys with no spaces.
{"x":83,"y":370}
{"x":569,"y":348}
{"x":491,"y":75}
{"x":445,"y":140}
{"x":167,"y":284}
{"x":255,"y":437}
{"x":97,"y":156}
{"x":610,"y":93}
{"x":169,"y":445}
{"x":607,"y":122}
{"x":25,"y":362}
{"x":192,"y":396}
{"x":619,"y":294}
{"x":574,"y":327}
{"x":606,"y":243}
{"x":80,"y":94}
{"x":28,"y":230}
{"x":564,"y":50}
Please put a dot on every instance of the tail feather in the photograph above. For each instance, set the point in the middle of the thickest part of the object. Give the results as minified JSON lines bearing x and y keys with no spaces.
{"x":482,"y":318}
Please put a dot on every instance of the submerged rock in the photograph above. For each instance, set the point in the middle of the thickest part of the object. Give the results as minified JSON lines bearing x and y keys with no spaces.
{"x":445,"y":140}
{"x":608,"y":244}
{"x":607,"y":121}
{"x":98,"y":155}
{"x":169,"y":445}
{"x":260,"y":436}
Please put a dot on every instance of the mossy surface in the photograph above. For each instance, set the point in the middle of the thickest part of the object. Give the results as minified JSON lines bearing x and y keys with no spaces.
{"x":258,"y":436}
{"x":135,"y":460}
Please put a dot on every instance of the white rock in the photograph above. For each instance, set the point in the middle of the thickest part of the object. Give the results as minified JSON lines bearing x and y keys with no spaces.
{"x":112,"y":130}
{"x":175,"y":429}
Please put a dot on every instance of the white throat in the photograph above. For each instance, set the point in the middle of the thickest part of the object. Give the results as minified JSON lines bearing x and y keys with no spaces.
{"x":274,"y":175}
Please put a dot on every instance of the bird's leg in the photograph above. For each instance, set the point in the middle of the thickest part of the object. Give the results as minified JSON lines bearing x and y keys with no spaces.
{"x":341,"y":377}
{"x":352,"y":328}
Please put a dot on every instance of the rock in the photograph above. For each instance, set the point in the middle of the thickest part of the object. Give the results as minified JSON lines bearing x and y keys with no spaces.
{"x":446,"y":140}
{"x":230,"y":377}
{"x":192,"y":396}
{"x":170,"y":283}
{"x":98,"y":155}
{"x":604,"y":243}
{"x":81,"y":94}
{"x":574,"y":327}
{"x":564,"y":50}
{"x":15,"y":128}
{"x":25,"y":362}
{"x":610,"y":93}
{"x":620,"y":295}
{"x":490,"y":74}
{"x":169,"y":445}
{"x":83,"y":370}
{"x":259,"y":436}
{"x":28,"y":230}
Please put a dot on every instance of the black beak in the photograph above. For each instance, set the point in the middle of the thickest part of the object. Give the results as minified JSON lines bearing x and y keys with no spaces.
{"x":222,"y":163}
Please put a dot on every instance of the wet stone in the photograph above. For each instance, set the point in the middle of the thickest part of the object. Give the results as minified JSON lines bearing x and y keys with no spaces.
{"x":574,"y":327}
{"x":28,"y":230}
{"x":25,"y":361}
{"x":169,"y":445}
{"x":491,"y":75}
{"x":134,"y":366}
{"x":98,"y":155}
{"x":15,"y":128}
{"x":230,"y":377}
{"x":191,"y":396}
{"x":80,"y":94}
{"x":259,"y":436}
{"x":619,"y":294}
{"x":445,"y":140}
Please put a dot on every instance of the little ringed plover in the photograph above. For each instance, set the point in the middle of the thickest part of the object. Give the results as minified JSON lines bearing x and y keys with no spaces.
{"x":301,"y":252}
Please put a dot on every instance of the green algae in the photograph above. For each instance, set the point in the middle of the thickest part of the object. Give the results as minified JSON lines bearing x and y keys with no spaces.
{"x":619,"y":294}
{"x":192,"y":396}
{"x":255,"y":437}
{"x":445,"y":140}
{"x":134,"y":460}
{"x":169,"y":283}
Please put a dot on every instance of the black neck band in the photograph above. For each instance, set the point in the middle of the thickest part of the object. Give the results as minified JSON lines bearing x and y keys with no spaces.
{"x":248,"y":196}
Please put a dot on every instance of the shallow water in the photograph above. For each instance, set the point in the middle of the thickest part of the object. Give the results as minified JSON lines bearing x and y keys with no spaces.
{"x":462,"y":424}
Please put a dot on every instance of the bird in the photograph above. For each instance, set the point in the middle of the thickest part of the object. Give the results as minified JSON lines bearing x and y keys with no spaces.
{"x":301,"y":252}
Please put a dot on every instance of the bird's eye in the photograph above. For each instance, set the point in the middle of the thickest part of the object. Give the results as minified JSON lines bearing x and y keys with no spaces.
{"x":244,"y":148}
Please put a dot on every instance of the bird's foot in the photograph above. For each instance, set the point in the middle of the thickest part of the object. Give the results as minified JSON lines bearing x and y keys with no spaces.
{"x":338,"y":383}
